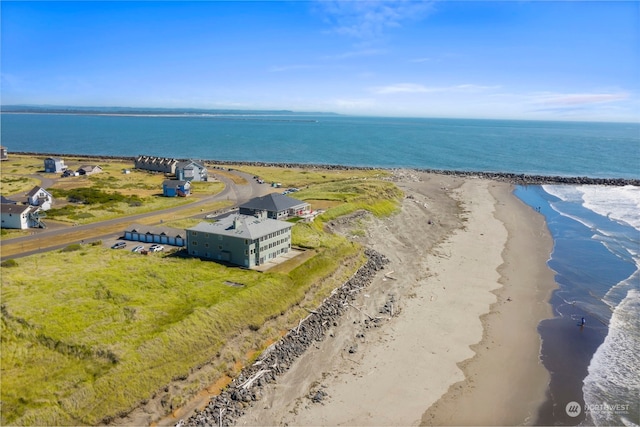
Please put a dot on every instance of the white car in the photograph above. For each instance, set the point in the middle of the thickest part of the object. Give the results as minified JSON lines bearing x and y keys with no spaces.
{"x":156,"y":248}
{"x":137,"y":248}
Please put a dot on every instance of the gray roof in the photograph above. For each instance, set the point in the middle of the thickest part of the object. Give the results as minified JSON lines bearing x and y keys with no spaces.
{"x":15,"y":209}
{"x":8,"y":201}
{"x":274,"y":202}
{"x":89,"y":168}
{"x":157,"y":230}
{"x":242,"y":226}
{"x":35,"y":191}
{"x":191,"y":164}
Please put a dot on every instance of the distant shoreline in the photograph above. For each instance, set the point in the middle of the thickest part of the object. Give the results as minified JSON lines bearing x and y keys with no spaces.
{"x":513,"y":178}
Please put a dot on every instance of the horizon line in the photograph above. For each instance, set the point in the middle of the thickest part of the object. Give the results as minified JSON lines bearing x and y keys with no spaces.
{"x":234,"y":111}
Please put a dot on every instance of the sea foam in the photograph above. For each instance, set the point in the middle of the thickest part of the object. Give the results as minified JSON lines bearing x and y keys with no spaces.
{"x":612,"y":386}
{"x":619,"y":203}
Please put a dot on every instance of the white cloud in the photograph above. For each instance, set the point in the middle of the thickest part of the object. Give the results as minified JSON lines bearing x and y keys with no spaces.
{"x":369,"y":19}
{"x":418,"y":88}
{"x":574,"y":99}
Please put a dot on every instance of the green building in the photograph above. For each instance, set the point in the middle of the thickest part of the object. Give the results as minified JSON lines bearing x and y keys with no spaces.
{"x":242,"y":240}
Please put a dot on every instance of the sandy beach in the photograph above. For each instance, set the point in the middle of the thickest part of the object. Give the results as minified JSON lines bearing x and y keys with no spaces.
{"x":467,"y":285}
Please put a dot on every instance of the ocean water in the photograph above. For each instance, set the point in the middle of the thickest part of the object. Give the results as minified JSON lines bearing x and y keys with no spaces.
{"x":605,"y":150}
{"x":596,"y":258}
{"x":596,"y":230}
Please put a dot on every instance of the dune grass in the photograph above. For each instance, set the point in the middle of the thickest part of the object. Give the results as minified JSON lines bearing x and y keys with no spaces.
{"x":100,"y":330}
{"x":303,"y":177}
{"x":82,"y":345}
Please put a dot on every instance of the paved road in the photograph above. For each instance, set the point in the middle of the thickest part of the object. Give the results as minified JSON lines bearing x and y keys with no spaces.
{"x":15,"y":248}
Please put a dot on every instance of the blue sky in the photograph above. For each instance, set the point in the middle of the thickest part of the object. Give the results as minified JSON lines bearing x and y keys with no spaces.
{"x":567,"y":60}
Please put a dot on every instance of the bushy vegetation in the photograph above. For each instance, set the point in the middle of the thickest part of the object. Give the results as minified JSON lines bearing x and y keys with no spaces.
{"x":72,"y":248}
{"x":9,"y":263}
{"x":94,"y":195}
{"x":378,"y":197}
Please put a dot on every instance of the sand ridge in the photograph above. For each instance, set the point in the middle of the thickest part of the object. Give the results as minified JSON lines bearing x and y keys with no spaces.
{"x":446,"y":250}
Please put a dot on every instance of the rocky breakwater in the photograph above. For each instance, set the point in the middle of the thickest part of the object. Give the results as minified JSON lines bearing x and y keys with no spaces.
{"x":514,"y":178}
{"x":245,"y":389}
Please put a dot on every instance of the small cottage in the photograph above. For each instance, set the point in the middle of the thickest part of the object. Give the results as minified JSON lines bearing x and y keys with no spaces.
{"x":88,"y":169}
{"x":3,"y":153}
{"x":173,"y":188}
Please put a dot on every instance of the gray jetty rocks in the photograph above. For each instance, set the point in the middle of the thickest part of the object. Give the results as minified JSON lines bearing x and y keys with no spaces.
{"x":245,"y":389}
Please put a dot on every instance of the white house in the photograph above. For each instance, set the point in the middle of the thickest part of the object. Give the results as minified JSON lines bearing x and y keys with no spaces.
{"x":19,"y":216}
{"x":38,"y":196}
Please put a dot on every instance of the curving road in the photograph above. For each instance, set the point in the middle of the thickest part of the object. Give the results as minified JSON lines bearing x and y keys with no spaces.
{"x":58,"y":237}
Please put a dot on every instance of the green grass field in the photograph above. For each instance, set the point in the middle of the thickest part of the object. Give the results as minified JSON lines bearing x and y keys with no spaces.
{"x":297,"y":177}
{"x":88,"y":334}
{"x":83,"y":344}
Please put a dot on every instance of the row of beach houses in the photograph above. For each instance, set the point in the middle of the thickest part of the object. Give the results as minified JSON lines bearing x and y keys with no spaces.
{"x":186,"y":170}
{"x":28,"y":213}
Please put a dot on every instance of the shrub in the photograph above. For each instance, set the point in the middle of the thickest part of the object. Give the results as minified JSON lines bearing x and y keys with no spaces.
{"x":71,"y":248}
{"x":9,"y":263}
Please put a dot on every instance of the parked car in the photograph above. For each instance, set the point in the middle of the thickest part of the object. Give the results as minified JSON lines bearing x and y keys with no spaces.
{"x":119,"y":245}
{"x":156,"y":248}
{"x":137,"y":248}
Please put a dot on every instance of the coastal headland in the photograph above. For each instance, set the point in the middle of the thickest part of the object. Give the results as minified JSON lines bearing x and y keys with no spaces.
{"x":444,"y":315}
